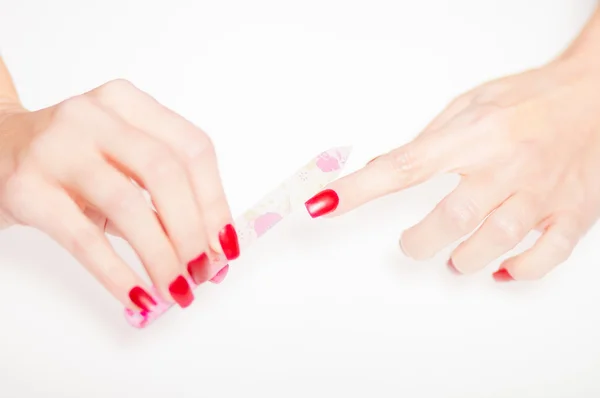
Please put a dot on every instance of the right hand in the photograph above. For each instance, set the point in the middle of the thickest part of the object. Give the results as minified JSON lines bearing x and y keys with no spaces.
{"x":69,"y":170}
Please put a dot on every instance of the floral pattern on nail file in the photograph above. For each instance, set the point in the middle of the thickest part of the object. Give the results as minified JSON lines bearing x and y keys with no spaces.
{"x":268,"y":212}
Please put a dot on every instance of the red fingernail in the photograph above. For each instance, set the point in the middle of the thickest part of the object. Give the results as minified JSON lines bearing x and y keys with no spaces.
{"x":229,"y":242}
{"x":502,"y":275}
{"x":181,"y":292}
{"x":220,"y":275}
{"x":322,"y":203}
{"x":141,"y":298}
{"x":198,"y":267}
{"x":452,"y":267}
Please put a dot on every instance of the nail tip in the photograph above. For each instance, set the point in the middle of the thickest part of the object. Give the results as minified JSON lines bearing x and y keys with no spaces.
{"x":181,"y":292}
{"x":324,"y":202}
{"x":452,"y":267}
{"x":502,"y":275}
{"x":229,"y":240}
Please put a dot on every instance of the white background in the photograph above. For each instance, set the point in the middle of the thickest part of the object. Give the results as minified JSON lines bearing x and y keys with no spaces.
{"x":319,"y":308}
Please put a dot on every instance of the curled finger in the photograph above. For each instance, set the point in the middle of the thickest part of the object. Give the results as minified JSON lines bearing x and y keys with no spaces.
{"x":506,"y":227}
{"x":123,"y":204}
{"x":552,"y":248}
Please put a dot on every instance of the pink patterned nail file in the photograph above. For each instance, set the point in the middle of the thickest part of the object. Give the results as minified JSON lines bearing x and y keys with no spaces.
{"x":264,"y":215}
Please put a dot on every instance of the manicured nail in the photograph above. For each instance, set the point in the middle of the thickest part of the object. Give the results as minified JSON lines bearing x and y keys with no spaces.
{"x":181,"y":292}
{"x":502,"y":275}
{"x":197,"y":268}
{"x":322,"y":203}
{"x":220,"y":275}
{"x":229,"y":242}
{"x":453,"y":268}
{"x":141,"y":298}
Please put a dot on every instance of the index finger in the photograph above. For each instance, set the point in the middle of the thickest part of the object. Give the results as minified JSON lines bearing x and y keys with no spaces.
{"x":398,"y":169}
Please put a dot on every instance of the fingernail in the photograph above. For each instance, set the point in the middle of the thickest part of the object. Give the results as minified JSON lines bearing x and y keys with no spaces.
{"x":181,"y":292}
{"x":502,"y":275}
{"x":220,"y":275}
{"x":229,"y":242}
{"x":452,"y":267}
{"x":197,"y":268}
{"x":322,"y":203}
{"x":141,"y":298}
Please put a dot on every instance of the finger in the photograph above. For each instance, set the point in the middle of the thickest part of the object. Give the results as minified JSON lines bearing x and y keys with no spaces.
{"x":221,"y":275}
{"x":165,"y":179}
{"x":159,"y":171}
{"x":457,"y":215}
{"x":57,"y":215}
{"x":506,"y":227}
{"x":195,"y":148}
{"x":401,"y":168}
{"x":113,"y":194}
{"x":552,"y":248}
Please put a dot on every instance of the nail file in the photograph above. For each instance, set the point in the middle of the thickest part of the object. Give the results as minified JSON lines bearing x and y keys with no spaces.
{"x":288,"y":197}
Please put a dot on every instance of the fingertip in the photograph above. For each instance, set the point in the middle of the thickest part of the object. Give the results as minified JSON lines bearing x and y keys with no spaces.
{"x":502,"y":275}
{"x":221,"y":275}
{"x":323,"y":203}
{"x":141,"y":300}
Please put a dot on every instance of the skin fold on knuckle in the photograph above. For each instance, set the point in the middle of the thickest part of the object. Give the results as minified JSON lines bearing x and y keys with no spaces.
{"x":158,"y":163}
{"x":461,"y":214}
{"x":86,"y":243}
{"x":506,"y":231}
{"x":116,"y":87}
{"x":196,"y":148}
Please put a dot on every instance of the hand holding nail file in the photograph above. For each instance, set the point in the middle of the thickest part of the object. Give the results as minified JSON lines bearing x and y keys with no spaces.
{"x":270,"y":210}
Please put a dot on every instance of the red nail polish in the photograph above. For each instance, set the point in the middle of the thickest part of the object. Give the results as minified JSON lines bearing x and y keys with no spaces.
{"x":181,"y":292}
{"x":229,"y":242}
{"x":453,"y":268}
{"x":198,"y":267}
{"x":220,"y":275}
{"x":502,"y":275}
{"x":141,"y":298}
{"x":322,"y":203}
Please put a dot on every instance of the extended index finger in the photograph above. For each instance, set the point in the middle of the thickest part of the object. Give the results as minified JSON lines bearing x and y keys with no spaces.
{"x":398,"y":169}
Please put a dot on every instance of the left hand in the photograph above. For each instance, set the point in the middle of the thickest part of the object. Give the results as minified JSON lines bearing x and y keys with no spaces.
{"x":527,"y":148}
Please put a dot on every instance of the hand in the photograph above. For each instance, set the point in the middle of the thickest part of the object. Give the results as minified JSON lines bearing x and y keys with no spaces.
{"x":81,"y":167}
{"x":527,"y":148}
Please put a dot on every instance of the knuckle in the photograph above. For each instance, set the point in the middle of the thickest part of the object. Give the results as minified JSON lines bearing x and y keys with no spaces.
{"x":562,"y":244}
{"x":197,"y":146}
{"x":484,"y":115}
{"x":402,"y":159}
{"x":73,"y":108}
{"x":115,"y":87}
{"x":464,"y":214}
{"x":506,"y":230}
{"x":84,"y":242}
{"x":159,"y":162}
{"x":463,"y":100}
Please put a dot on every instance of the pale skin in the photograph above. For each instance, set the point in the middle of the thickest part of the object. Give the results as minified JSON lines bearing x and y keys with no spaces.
{"x":527,"y":148}
{"x":68,"y":170}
